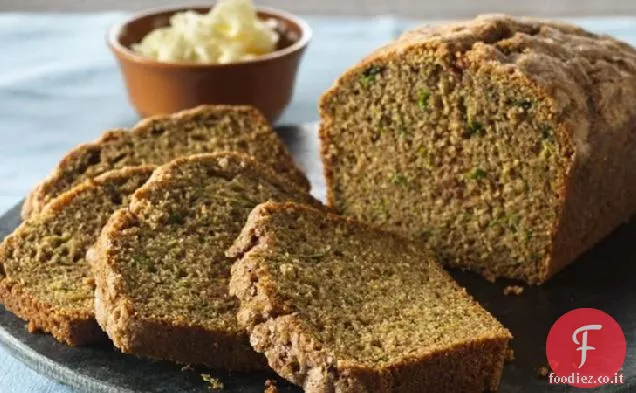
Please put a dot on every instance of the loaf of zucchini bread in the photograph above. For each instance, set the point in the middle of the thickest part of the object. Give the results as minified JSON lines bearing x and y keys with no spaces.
{"x":157,"y":140}
{"x":506,"y":144}
{"x":160,"y":270}
{"x":338,"y":306}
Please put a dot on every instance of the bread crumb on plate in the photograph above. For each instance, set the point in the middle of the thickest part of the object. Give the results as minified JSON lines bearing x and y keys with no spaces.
{"x":515,"y":290}
{"x":510,"y":355}
{"x":214,"y":383}
{"x":543,"y":371}
{"x":270,"y":386}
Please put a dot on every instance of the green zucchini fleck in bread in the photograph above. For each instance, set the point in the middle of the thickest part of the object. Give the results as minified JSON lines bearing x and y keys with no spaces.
{"x":157,"y":140}
{"x":338,"y":306}
{"x":506,"y":144}
{"x":160,"y":270}
{"x":46,"y":279}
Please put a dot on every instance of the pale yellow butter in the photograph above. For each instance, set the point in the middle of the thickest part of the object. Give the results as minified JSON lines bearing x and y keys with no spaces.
{"x":230,"y":32}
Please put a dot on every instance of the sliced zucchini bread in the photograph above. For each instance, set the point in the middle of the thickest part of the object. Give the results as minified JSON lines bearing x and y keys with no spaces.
{"x":506,"y":144}
{"x":44,"y":276}
{"x":157,"y":140}
{"x":337,"y":306}
{"x":160,"y":270}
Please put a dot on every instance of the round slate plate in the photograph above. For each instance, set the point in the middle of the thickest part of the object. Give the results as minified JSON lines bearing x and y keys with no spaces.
{"x":603,"y":278}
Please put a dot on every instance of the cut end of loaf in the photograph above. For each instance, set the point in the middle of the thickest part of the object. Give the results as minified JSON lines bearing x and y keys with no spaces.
{"x":446,"y":142}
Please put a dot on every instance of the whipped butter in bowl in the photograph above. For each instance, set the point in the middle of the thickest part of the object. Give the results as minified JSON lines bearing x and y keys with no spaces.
{"x":233,"y":53}
{"x":228,"y":33}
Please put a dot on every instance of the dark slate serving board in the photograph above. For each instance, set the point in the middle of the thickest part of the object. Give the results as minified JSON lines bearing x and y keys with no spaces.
{"x":603,"y":278}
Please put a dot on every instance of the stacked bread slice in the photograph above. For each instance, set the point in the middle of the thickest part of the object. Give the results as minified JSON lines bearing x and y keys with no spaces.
{"x":144,"y":254}
{"x":44,"y":274}
{"x":45,"y":277}
{"x":161,"y":273}
{"x":157,"y":140}
{"x":338,"y":306}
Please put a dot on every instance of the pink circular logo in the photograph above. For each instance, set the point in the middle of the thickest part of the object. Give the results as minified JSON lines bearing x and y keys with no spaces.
{"x":586,"y":348}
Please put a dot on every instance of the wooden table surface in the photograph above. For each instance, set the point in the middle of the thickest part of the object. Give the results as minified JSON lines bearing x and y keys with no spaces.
{"x":430,"y":9}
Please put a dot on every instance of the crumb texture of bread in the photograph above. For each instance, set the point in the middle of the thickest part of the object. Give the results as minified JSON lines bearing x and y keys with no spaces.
{"x":157,"y":140}
{"x":160,"y":270}
{"x":46,"y":276}
{"x":338,"y":306}
{"x":506,"y":144}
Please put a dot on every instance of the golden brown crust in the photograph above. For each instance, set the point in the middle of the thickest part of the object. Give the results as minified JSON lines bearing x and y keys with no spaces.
{"x":297,"y":355}
{"x":279,"y":156}
{"x":177,"y":340}
{"x":590,"y":82}
{"x":73,"y":327}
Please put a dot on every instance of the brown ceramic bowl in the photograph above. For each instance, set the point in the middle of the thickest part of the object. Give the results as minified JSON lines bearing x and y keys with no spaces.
{"x":154,"y":87}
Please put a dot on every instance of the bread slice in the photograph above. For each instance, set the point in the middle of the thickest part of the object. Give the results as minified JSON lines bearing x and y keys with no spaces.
{"x":337,"y":306}
{"x":160,"y":139}
{"x":45,"y":278}
{"x":506,"y":144}
{"x":160,"y":270}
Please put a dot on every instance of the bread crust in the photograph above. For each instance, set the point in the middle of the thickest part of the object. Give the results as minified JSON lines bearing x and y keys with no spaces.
{"x":74,"y":328}
{"x":46,"y":189}
{"x":589,"y":81}
{"x":298,"y":356}
{"x":178,"y":341}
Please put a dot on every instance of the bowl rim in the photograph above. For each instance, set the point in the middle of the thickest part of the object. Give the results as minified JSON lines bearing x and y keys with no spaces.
{"x":114,"y":34}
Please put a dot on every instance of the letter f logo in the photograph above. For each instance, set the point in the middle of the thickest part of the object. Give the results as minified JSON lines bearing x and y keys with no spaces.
{"x":583,"y":344}
{"x":575,"y":330}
